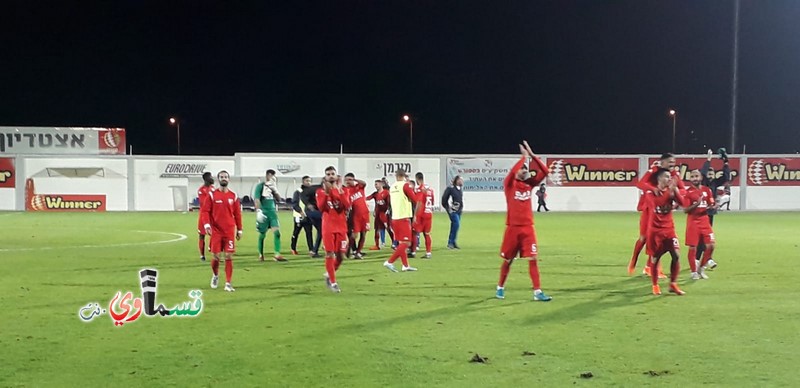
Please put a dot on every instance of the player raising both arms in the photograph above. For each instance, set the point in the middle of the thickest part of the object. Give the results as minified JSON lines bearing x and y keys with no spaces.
{"x":661,"y":198}
{"x":402,"y":196}
{"x":221,"y":213}
{"x":698,"y":223}
{"x":265,"y":196}
{"x":520,"y":236}
{"x":333,"y":202}
{"x":423,"y":218}
{"x":359,"y":213}
{"x":202,"y":194}
{"x":381,"y":197}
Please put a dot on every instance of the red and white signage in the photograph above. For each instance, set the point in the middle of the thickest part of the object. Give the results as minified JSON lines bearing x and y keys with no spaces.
{"x":62,"y":141}
{"x":8,"y":177}
{"x":62,"y":202}
{"x":593,"y":171}
{"x":686,"y":165}
{"x":773,"y":171}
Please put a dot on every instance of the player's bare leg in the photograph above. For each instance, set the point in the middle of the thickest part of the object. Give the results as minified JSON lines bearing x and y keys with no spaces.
{"x":215,"y":271}
{"x":675,"y":268}
{"x":228,"y":272}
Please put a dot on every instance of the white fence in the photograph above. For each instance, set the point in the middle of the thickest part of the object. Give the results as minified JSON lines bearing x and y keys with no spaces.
{"x":169,"y":183}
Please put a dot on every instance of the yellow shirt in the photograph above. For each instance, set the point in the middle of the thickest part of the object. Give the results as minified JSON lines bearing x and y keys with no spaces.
{"x":401,"y":205}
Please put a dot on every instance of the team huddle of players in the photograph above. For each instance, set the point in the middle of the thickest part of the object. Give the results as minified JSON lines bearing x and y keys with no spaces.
{"x":405,"y":208}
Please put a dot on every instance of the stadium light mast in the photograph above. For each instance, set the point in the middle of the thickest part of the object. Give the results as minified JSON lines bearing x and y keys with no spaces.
{"x":410,"y":122}
{"x":674,"y":115}
{"x":175,"y":122}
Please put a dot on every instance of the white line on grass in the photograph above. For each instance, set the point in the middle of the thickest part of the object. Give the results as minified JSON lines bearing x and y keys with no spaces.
{"x":178,"y":237}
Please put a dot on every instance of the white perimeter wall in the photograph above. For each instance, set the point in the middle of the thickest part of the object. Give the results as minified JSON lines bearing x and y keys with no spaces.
{"x":136,"y":184}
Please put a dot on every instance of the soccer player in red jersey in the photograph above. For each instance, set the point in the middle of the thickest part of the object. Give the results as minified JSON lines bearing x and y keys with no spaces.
{"x":381,"y":198}
{"x":359,"y":213}
{"x":520,"y":236}
{"x":668,"y":161}
{"x":698,"y":223}
{"x":661,"y":199}
{"x":221,"y":214}
{"x":423,"y":219}
{"x":402,"y":197}
{"x":202,"y":193}
{"x":333,"y":201}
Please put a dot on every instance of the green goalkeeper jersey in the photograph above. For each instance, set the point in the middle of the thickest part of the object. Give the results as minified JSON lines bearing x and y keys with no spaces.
{"x":265,"y":192}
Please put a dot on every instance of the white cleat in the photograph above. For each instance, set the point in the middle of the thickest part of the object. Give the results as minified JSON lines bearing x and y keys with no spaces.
{"x":711,"y":264}
{"x":702,"y":273}
{"x":229,"y":287}
{"x":214,"y":281}
{"x":407,"y":269}
{"x":695,"y":276}
{"x":389,"y":266}
{"x":428,"y":255}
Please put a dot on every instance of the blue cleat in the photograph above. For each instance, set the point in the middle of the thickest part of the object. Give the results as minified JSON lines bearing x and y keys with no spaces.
{"x":500,"y":294}
{"x":541,"y":297}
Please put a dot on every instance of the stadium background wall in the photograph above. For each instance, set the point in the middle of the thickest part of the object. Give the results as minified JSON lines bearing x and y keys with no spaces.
{"x":575,"y":182}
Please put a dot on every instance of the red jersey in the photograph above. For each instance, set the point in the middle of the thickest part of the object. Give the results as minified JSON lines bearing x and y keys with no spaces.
{"x":358,"y":199}
{"x":699,"y":215}
{"x":222,"y":211}
{"x":381,"y":199}
{"x":426,"y":199}
{"x":642,"y":202}
{"x":334,"y":210}
{"x":660,"y":204}
{"x":202,"y":193}
{"x":518,"y":193}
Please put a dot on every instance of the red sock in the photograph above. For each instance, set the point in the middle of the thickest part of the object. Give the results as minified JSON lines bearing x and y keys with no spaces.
{"x":330,"y":266}
{"x":653,"y":271}
{"x":395,"y":255}
{"x":201,"y":245}
{"x":377,"y":238}
{"x":414,"y":242}
{"x":637,"y":249}
{"x":361,"y":242}
{"x":674,"y":269}
{"x":504,"y":268}
{"x":707,"y":256}
{"x":403,"y":255}
{"x":692,"y":254}
{"x":533,"y":270}
{"x":228,"y":270}
{"x":215,"y":267}
{"x":428,"y":243}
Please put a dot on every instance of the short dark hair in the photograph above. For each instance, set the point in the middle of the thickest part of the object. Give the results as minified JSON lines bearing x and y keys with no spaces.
{"x":378,"y":180}
{"x":419,"y":175}
{"x":330,"y":168}
{"x":654,"y":177}
{"x":305,"y":177}
{"x":206,"y":175}
{"x":349,"y":175}
{"x":220,"y":173}
{"x":667,"y":155}
{"x":270,"y":172}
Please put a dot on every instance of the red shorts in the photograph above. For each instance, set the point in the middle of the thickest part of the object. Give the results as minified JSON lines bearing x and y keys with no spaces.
{"x":402,"y":229}
{"x":335,"y":242}
{"x":644,"y":222}
{"x":519,"y":240}
{"x":661,"y":241}
{"x":381,"y":221}
{"x":695,"y":234}
{"x":223,"y":241}
{"x":423,"y":224}
{"x":360,"y":222}
{"x":200,"y":228}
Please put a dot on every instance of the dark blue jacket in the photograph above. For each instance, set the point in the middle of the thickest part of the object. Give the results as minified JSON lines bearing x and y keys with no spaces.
{"x":457,"y":195}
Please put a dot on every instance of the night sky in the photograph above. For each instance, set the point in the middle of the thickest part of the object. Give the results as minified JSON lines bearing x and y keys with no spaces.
{"x":476,"y":76}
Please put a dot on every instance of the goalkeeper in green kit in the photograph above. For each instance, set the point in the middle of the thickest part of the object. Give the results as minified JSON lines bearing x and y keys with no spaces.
{"x":265,"y":196}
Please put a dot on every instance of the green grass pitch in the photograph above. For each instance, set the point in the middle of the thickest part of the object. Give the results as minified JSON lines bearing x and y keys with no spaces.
{"x":282,"y":327}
